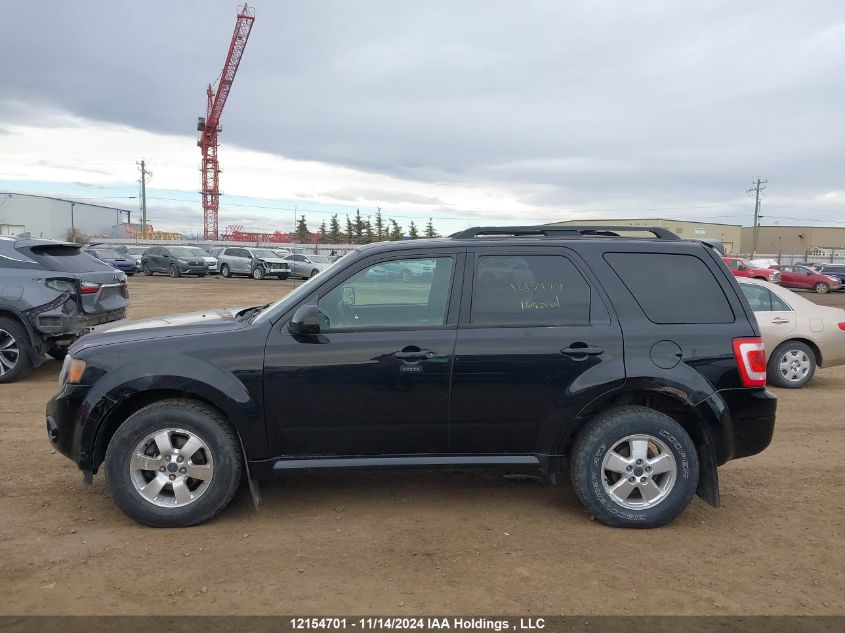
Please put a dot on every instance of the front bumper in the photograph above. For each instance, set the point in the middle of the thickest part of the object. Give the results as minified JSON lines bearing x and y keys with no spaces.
{"x":65,"y":415}
{"x":192,"y":270}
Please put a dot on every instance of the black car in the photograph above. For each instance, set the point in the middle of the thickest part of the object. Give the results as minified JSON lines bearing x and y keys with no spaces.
{"x":50,"y":294}
{"x":560,"y":350}
{"x":173,"y":260}
{"x":833,"y":270}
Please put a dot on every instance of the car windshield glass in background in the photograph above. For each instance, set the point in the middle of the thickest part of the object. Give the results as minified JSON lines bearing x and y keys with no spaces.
{"x":762,"y":299}
{"x":106,"y":253}
{"x":529,"y":290}
{"x":65,"y":258}
{"x":264,"y":253}
{"x":672,"y":288}
{"x":198,"y":252}
{"x":319,"y":259}
{"x":181,"y":251}
{"x":136,"y":250}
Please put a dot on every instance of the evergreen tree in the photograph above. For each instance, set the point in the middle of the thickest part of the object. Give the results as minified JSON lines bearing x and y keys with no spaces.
{"x":323,"y":233}
{"x":395,"y":231}
{"x":429,"y":229}
{"x":334,"y":230}
{"x":412,"y":231}
{"x":368,"y":231}
{"x":359,"y":227}
{"x":302,"y":232}
{"x":380,"y":228}
{"x":350,"y":231}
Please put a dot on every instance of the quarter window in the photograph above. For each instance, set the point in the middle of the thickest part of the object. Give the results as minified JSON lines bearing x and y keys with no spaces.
{"x":377,"y":297}
{"x":529,"y":290}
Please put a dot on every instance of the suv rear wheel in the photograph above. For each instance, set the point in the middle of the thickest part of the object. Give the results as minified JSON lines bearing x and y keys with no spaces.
{"x":15,"y":351}
{"x":174,"y":463}
{"x":634,"y":467}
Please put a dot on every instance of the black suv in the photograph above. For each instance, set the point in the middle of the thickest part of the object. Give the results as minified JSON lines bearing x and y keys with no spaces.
{"x":633,"y":363}
{"x":173,"y":260}
{"x":50,"y":294}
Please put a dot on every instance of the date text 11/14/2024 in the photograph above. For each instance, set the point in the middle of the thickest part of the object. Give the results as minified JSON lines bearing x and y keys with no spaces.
{"x":418,"y":624}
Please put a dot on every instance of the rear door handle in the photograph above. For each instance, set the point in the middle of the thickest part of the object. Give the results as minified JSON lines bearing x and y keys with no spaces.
{"x":418,"y":354}
{"x":582,"y":350}
{"x":780,"y":320}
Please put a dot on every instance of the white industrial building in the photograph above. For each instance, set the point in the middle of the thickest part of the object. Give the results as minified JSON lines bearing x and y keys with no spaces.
{"x":44,"y":216}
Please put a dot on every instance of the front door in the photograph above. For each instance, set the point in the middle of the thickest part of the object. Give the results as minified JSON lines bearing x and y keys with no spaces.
{"x":375,"y":380}
{"x":535,"y":345}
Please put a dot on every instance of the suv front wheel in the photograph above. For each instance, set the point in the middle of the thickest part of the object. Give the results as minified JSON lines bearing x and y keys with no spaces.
{"x":174,"y":463}
{"x":634,"y":467}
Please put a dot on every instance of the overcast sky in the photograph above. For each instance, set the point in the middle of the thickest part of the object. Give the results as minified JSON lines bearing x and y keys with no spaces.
{"x":475,"y":111}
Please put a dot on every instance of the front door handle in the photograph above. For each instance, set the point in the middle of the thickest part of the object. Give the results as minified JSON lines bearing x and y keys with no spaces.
{"x":580,"y":349}
{"x":414,"y":353}
{"x":780,"y":320}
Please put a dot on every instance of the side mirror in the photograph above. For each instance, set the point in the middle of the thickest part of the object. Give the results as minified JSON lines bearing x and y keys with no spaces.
{"x":348,"y":297}
{"x":306,"y":320}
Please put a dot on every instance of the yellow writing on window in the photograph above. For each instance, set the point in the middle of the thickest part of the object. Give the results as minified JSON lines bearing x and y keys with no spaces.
{"x":531,"y":304}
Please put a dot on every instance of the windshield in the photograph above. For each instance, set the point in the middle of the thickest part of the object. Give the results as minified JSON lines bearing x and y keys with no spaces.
{"x":136,"y":250}
{"x":285,"y":303}
{"x":182,"y":251}
{"x":107,"y":253}
{"x":319,"y":259}
{"x":264,"y":253}
{"x":197,"y":251}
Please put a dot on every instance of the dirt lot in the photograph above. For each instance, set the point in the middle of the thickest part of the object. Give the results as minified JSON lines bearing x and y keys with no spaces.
{"x":422,"y":542}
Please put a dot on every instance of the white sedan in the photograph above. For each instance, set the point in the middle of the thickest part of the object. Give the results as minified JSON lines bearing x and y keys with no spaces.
{"x":799,"y":335}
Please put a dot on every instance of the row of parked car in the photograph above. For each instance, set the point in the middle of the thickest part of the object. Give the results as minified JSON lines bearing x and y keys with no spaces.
{"x":229,"y":261}
{"x":821,"y":278}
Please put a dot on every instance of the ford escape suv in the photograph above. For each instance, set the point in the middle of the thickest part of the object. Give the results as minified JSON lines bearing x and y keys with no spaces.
{"x":564,"y":350}
{"x":50,"y":294}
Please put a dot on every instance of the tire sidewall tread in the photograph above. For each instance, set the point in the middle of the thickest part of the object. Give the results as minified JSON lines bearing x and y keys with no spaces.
{"x":193,"y":416}
{"x":601,"y":434}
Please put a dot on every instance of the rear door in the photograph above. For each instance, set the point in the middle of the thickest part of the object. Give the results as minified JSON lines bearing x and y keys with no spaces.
{"x":536,"y":343}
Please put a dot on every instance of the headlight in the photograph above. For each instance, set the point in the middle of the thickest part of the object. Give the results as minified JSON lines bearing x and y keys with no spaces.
{"x":72,"y":370}
{"x":182,"y":261}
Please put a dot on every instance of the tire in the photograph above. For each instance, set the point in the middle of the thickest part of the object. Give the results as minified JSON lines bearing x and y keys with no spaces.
{"x":283,"y":277}
{"x":224,"y":270}
{"x":58,"y":353}
{"x":15,"y":351}
{"x":792,"y":365}
{"x":314,"y":273}
{"x":147,"y":270}
{"x":259,"y":273}
{"x":612,"y":432}
{"x":180,"y":420}
{"x":822,"y":288}
{"x":174,"y":271}
{"x":130,"y":274}
{"x":202,"y":274}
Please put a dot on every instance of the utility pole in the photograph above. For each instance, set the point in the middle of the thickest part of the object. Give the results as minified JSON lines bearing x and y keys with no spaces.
{"x":756,"y":190}
{"x":144,"y":174}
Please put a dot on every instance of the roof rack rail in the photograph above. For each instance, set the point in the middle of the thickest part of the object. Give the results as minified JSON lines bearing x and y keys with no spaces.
{"x":545,"y":230}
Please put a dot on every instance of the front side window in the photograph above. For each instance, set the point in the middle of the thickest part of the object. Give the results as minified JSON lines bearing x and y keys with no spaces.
{"x":529,"y":290}
{"x":763,"y":300}
{"x":373,"y":299}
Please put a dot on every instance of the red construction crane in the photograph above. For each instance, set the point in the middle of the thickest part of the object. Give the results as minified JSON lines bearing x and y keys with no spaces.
{"x":209,"y":125}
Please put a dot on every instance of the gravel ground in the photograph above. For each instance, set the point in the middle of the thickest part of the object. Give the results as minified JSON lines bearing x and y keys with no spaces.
{"x":422,"y":541}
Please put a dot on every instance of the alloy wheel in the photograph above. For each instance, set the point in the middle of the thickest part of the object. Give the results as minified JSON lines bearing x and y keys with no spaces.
{"x":639,"y":471}
{"x":10,"y":352}
{"x":171,"y":468}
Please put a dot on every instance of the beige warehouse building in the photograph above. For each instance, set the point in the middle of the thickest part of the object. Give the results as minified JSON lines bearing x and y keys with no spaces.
{"x":730,"y":234}
{"x":807,"y":241}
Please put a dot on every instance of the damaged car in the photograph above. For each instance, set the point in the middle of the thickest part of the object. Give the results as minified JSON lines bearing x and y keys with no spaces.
{"x":51,"y":293}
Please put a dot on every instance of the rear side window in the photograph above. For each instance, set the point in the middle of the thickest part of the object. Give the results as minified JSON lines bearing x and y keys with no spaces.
{"x":763,"y":300}
{"x":672,"y":288}
{"x":63,"y":258}
{"x":528,"y":290}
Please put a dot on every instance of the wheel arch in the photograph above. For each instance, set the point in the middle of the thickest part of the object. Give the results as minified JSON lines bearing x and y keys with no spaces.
{"x":670,"y":401}
{"x":817,"y":352}
{"x":35,"y":341}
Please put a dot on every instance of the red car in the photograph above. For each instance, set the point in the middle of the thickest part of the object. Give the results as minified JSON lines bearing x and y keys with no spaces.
{"x":742,"y":268}
{"x":805,"y":277}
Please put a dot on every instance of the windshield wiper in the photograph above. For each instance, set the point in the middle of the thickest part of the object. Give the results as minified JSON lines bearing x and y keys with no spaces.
{"x":248,"y":313}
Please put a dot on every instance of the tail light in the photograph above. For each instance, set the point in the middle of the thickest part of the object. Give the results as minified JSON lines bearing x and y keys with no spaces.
{"x":89,"y":288}
{"x":751,"y":359}
{"x":841,"y":326}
